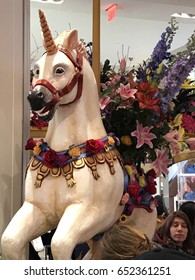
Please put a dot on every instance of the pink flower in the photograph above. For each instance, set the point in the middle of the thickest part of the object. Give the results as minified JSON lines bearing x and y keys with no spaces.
{"x":123,"y":65}
{"x":104,"y":102}
{"x":126,"y":92}
{"x":143,"y":135}
{"x":162,"y":162}
{"x":173,"y":137}
{"x":191,"y":142}
{"x":174,"y":149}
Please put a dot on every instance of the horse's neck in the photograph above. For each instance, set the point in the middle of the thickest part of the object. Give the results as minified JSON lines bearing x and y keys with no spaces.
{"x":74,"y":124}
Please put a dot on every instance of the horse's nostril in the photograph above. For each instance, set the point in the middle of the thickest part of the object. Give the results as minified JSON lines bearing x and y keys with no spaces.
{"x":40,"y":95}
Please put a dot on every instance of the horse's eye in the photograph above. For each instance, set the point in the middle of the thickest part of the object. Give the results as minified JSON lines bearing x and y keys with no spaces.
{"x":60,"y":71}
{"x":36,"y":72}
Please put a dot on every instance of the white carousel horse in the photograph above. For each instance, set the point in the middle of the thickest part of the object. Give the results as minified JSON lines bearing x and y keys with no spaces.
{"x":75,"y":180}
{"x":81,"y":198}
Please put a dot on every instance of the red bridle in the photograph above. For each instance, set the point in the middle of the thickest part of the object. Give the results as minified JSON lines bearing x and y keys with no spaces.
{"x":58,"y":94}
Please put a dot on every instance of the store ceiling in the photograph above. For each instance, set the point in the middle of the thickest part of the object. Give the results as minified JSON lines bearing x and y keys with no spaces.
{"x":142,"y":9}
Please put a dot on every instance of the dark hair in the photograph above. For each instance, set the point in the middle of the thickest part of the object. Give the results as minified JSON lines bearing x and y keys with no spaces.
{"x":163,"y":236}
{"x":188,"y":207}
{"x":160,"y":207}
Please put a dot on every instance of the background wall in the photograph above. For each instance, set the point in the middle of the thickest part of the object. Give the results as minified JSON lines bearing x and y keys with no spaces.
{"x":11,"y":108}
{"x":138,"y":34}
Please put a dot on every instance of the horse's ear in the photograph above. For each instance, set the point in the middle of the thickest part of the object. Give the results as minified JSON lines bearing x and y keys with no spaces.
{"x":71,"y":41}
{"x":67,"y":39}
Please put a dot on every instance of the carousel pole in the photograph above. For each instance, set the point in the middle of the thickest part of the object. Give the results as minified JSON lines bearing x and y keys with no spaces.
{"x":96,"y":41}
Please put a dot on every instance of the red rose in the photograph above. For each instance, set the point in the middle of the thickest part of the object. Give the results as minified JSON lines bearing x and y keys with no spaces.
{"x":134,"y":189}
{"x":49,"y":158}
{"x":151,"y":188}
{"x":151,"y":173}
{"x":61,"y":160}
{"x":31,"y":143}
{"x":94,"y":146}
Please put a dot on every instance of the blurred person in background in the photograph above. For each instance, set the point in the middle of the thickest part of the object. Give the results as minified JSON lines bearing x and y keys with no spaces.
{"x":188,"y":207}
{"x":176,"y":233}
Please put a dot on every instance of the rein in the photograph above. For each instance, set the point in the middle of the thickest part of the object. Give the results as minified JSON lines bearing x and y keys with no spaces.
{"x":58,"y":94}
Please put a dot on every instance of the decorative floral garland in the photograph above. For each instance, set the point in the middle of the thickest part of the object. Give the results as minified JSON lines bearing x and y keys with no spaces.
{"x":51,"y":158}
{"x":137,"y":190}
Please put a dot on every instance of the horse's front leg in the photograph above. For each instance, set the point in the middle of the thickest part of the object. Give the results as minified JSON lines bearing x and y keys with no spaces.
{"x":77,"y":225}
{"x":28,"y":223}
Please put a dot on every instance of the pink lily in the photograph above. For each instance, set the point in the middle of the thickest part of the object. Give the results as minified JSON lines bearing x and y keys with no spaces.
{"x":126,"y":92}
{"x":162,"y":162}
{"x":143,"y":135}
{"x":104,"y":102}
{"x":123,"y":65}
{"x":173,"y":138}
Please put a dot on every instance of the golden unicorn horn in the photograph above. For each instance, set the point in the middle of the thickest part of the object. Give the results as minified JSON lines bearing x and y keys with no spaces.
{"x":49,"y":43}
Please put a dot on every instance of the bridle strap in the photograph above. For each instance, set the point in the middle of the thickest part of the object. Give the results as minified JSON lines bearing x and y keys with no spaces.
{"x":69,"y":55}
{"x":46,"y":84}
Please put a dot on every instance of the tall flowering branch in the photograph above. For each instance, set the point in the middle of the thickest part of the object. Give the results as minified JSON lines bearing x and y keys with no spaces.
{"x":176,"y":75}
{"x":152,"y":68}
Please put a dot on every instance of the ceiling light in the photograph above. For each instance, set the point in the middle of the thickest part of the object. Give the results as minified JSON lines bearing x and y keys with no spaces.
{"x":49,"y":1}
{"x":183,"y":15}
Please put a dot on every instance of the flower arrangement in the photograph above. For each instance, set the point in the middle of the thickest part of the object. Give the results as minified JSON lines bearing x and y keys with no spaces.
{"x":149,"y":111}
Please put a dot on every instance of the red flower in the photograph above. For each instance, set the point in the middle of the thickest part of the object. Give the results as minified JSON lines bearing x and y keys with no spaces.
{"x":145,"y":87}
{"x":61,"y":160}
{"x":94,"y":146}
{"x":50,"y":158}
{"x":147,"y":101}
{"x":151,"y":186}
{"x":134,"y":189}
{"x":35,"y":122}
{"x":151,"y":173}
{"x":31,"y":143}
{"x":188,"y":123}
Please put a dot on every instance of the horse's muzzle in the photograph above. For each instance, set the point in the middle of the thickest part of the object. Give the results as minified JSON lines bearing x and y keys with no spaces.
{"x":36,"y":100}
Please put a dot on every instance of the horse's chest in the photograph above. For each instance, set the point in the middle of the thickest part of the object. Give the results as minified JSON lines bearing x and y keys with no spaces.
{"x":85,"y":179}
{"x":72,"y":167}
